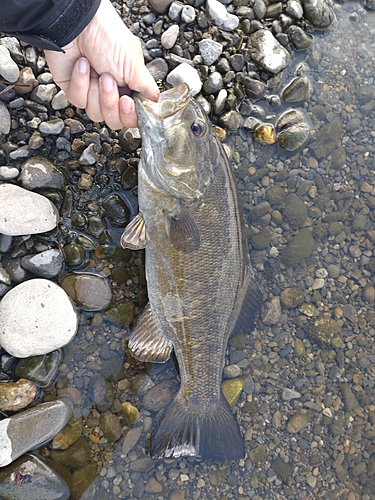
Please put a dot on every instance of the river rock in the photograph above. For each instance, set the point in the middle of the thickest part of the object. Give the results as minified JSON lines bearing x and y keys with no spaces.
{"x":210,"y":50}
{"x":29,"y":429}
{"x":38,"y":172}
{"x":30,"y":478}
{"x":169,"y":37}
{"x":8,"y":68}
{"x":4,"y":120}
{"x":298,"y":90}
{"x":90,"y":291}
{"x":318,"y":13}
{"x":185,"y":73}
{"x":299,"y":248}
{"x":324,"y":330}
{"x":267,"y":52}
{"x":159,"y":395}
{"x":299,"y":38}
{"x":291,"y":297}
{"x":45,"y":264}
{"x":220,"y":16}
{"x":40,"y":369}
{"x":23,"y":212}
{"x":15,"y":396}
{"x":297,"y":422}
{"x":36,"y":317}
{"x":327,"y":137}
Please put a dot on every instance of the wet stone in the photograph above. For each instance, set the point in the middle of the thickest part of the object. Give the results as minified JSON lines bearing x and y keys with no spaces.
{"x":231,"y":120}
{"x":91,"y":292}
{"x":69,"y":435}
{"x":38,"y":172}
{"x":350,"y":400}
{"x":291,"y":297}
{"x":258,"y":455}
{"x":121,"y":315}
{"x":129,"y":138}
{"x":265,"y":134}
{"x":289,"y":394}
{"x":232,"y":389}
{"x":101,"y":392}
{"x":282,"y":469}
{"x":267,"y":52}
{"x":4,"y":120}
{"x":295,"y":211}
{"x":318,"y":13}
{"x":294,"y":137}
{"x":40,"y":369}
{"x":159,"y":395}
{"x":47,"y":264}
{"x":110,"y":426}
{"x":15,"y":202}
{"x":44,"y":328}
{"x":298,"y":90}
{"x":271,"y":311}
{"x":327,"y":137}
{"x":299,"y":248}
{"x":29,"y":429}
{"x":31,"y":478}
{"x":324,"y":330}
{"x":15,"y":396}
{"x":185,"y":73}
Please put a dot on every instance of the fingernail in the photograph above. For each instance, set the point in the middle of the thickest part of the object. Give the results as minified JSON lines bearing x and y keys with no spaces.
{"x":83,"y":65}
{"x":107,"y":81}
{"x":127,"y":106}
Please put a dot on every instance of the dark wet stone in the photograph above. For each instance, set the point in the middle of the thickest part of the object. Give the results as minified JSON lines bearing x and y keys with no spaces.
{"x":121,"y":315}
{"x":30,"y":478}
{"x":299,"y":248}
{"x":298,"y":90}
{"x":262,"y":239}
{"x":293,"y":138}
{"x":327,"y":137}
{"x":76,"y":456}
{"x":110,"y":426}
{"x":275,"y":195}
{"x":251,"y":123}
{"x":69,"y":435}
{"x":40,"y":369}
{"x":231,"y":120}
{"x":116,"y":209}
{"x":288,"y":118}
{"x":74,"y":254}
{"x":15,"y":396}
{"x":90,"y":291}
{"x":318,"y":13}
{"x":338,"y":158}
{"x":129,"y":138}
{"x":258,"y":455}
{"x":282,"y":469}
{"x":38,"y":172}
{"x":299,"y":38}
{"x":295,"y":211}
{"x":297,"y":422}
{"x":101,"y":392}
{"x":350,"y":401}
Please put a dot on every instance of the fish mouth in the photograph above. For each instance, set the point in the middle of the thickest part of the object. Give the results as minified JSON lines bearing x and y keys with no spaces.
{"x":170,"y":102}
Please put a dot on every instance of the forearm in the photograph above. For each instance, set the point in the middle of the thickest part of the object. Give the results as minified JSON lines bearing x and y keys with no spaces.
{"x":48,"y":24}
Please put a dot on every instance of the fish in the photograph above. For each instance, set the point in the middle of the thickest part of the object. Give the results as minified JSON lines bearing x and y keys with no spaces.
{"x":200,"y":282}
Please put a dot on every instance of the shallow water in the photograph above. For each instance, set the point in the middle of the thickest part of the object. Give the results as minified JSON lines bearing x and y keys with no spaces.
{"x":333,"y":454}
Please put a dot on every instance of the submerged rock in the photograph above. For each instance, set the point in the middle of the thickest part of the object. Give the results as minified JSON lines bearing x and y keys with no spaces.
{"x":15,"y":396}
{"x":40,"y":369}
{"x":30,"y":478}
{"x":90,"y":291}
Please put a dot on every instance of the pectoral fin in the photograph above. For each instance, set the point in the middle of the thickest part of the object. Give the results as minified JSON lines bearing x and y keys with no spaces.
{"x":182,"y":230}
{"x":135,"y":235}
{"x":147,"y":342}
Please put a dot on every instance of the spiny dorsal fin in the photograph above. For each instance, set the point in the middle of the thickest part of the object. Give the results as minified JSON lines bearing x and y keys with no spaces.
{"x":182,"y":230}
{"x":135,"y":235}
{"x":147,"y":342}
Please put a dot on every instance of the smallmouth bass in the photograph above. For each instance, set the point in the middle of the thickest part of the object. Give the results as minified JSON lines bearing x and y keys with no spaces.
{"x":200,"y":282}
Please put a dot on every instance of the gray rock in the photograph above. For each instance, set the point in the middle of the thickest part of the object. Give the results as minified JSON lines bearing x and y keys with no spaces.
{"x":294,"y":137}
{"x":185,"y":73}
{"x":129,"y":138}
{"x":38,"y":172}
{"x":4,"y":120}
{"x":267,"y":52}
{"x":23,"y":212}
{"x":29,"y":429}
{"x":19,"y":153}
{"x":89,"y":155}
{"x":187,"y":14}
{"x":294,"y":9}
{"x":289,"y":394}
{"x":214,"y":83}
{"x":318,"y":13}
{"x":32,"y":475}
{"x":60,"y":101}
{"x":14,"y":47}
{"x":45,"y":264}
{"x":90,"y":291}
{"x":271,"y":311}
{"x":169,"y":37}
{"x":8,"y":173}
{"x":210,"y":50}
{"x":175,"y":9}
{"x":299,"y":38}
{"x":8,"y":68}
{"x":43,"y":94}
{"x":52,"y":126}
{"x":158,"y":68}
{"x":49,"y":319}
{"x":220,"y":16}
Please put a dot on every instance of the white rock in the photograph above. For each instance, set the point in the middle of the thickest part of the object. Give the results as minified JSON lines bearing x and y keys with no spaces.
{"x":185,"y":73}
{"x":4,"y":119}
{"x":24,"y":212}
{"x":36,"y":317}
{"x":188,"y":14}
{"x":220,"y":16}
{"x":169,"y":37}
{"x":60,"y":101}
{"x":8,"y":68}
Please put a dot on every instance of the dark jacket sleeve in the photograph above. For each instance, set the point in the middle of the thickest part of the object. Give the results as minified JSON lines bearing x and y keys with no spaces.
{"x":48,"y":24}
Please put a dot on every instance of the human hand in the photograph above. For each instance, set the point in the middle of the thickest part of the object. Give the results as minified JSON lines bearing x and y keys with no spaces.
{"x":100,"y":68}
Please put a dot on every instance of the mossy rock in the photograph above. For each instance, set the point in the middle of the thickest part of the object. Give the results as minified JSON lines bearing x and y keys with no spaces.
{"x":299,"y":248}
{"x":275,"y":195}
{"x":324,"y":330}
{"x":295,"y":211}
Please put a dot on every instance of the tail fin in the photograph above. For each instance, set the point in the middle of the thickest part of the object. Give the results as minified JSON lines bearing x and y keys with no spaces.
{"x":192,"y":430}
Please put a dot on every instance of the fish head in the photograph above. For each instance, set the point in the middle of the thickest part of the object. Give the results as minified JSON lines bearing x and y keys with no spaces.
{"x":177,"y":143}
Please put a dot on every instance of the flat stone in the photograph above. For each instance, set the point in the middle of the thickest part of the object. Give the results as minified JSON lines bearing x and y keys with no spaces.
{"x":297,"y":422}
{"x":29,"y":429}
{"x":47,"y":264}
{"x":30,"y":478}
{"x":36,"y":317}
{"x":90,"y":291}
{"x":23,"y":212}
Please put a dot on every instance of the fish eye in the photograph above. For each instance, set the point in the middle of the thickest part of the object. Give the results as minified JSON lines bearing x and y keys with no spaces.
{"x":197,"y":128}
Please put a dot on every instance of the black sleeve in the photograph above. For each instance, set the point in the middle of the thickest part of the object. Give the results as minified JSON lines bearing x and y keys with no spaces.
{"x":48,"y":24}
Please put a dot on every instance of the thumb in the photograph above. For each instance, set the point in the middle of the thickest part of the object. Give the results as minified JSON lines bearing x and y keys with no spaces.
{"x":144,"y":83}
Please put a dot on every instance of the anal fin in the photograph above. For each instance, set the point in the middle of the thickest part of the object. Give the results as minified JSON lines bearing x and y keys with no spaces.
{"x":135,"y":235}
{"x":147,"y":342}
